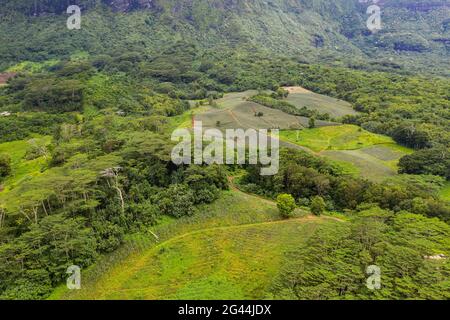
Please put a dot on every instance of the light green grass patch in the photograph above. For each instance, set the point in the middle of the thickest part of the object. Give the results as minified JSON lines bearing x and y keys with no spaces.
{"x":445,"y":192}
{"x":22,"y":168}
{"x":236,"y":262}
{"x":343,"y":137}
{"x":232,"y":209}
{"x":370,"y":155}
{"x":32,"y":67}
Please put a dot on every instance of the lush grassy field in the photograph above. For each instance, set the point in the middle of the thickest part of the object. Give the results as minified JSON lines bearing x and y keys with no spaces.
{"x":21,"y":167}
{"x":344,"y":137}
{"x":300,"y":97}
{"x":230,"y":249}
{"x":445,"y":192}
{"x":371,"y":155}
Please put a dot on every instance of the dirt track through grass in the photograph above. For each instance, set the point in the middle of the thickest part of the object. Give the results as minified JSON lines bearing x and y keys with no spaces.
{"x":220,"y":259}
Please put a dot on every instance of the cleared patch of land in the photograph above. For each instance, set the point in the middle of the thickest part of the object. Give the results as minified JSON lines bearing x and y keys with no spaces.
{"x":357,"y":151}
{"x":343,"y":137}
{"x":232,"y":249}
{"x":300,"y":97}
{"x":368,"y":166}
{"x":231,"y":100}
{"x":234,"y":111}
{"x":372,"y":156}
{"x":224,"y":263}
{"x":22,"y":168}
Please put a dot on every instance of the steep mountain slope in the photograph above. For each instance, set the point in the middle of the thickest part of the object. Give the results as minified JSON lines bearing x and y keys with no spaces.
{"x":414,"y":33}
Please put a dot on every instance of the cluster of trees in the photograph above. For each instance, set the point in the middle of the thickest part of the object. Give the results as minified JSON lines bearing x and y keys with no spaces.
{"x":109,"y":173}
{"x":22,"y":126}
{"x":84,"y":205}
{"x":271,"y":102}
{"x":435,"y":161}
{"x":313,"y":181}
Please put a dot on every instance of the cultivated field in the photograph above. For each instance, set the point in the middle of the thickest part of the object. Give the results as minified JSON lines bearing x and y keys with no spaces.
{"x":232,"y":249}
{"x":301,"y":97}
{"x":234,"y":111}
{"x":371,"y":155}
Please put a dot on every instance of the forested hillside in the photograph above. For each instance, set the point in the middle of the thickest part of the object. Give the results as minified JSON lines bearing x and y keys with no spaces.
{"x":414,"y":35}
{"x":86,"y":176}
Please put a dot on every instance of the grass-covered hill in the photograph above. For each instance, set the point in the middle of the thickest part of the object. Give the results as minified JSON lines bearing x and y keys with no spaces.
{"x":240,"y":248}
{"x":415,"y":34}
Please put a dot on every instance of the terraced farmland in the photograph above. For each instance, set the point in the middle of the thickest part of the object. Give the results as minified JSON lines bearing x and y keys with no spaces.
{"x":301,"y":97}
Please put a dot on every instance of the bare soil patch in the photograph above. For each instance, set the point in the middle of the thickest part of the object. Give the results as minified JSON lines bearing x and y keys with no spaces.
{"x":4,"y":77}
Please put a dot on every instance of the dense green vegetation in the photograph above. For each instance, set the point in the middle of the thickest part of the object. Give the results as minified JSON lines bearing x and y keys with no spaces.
{"x":305,"y":176}
{"x":331,"y":263}
{"x":109,"y":170}
{"x":85,"y":149}
{"x":240,"y":247}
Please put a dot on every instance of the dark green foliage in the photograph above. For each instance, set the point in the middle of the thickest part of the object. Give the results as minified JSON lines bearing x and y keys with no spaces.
{"x":205,"y":182}
{"x":5,"y":165}
{"x":51,"y":96}
{"x":177,"y":201}
{"x":318,"y":205}
{"x":40,"y":257}
{"x":320,"y":31}
{"x":411,"y":136}
{"x":21,"y":126}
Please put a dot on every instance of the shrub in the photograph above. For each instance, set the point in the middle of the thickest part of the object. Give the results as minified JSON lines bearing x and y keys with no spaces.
{"x":286,"y":204}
